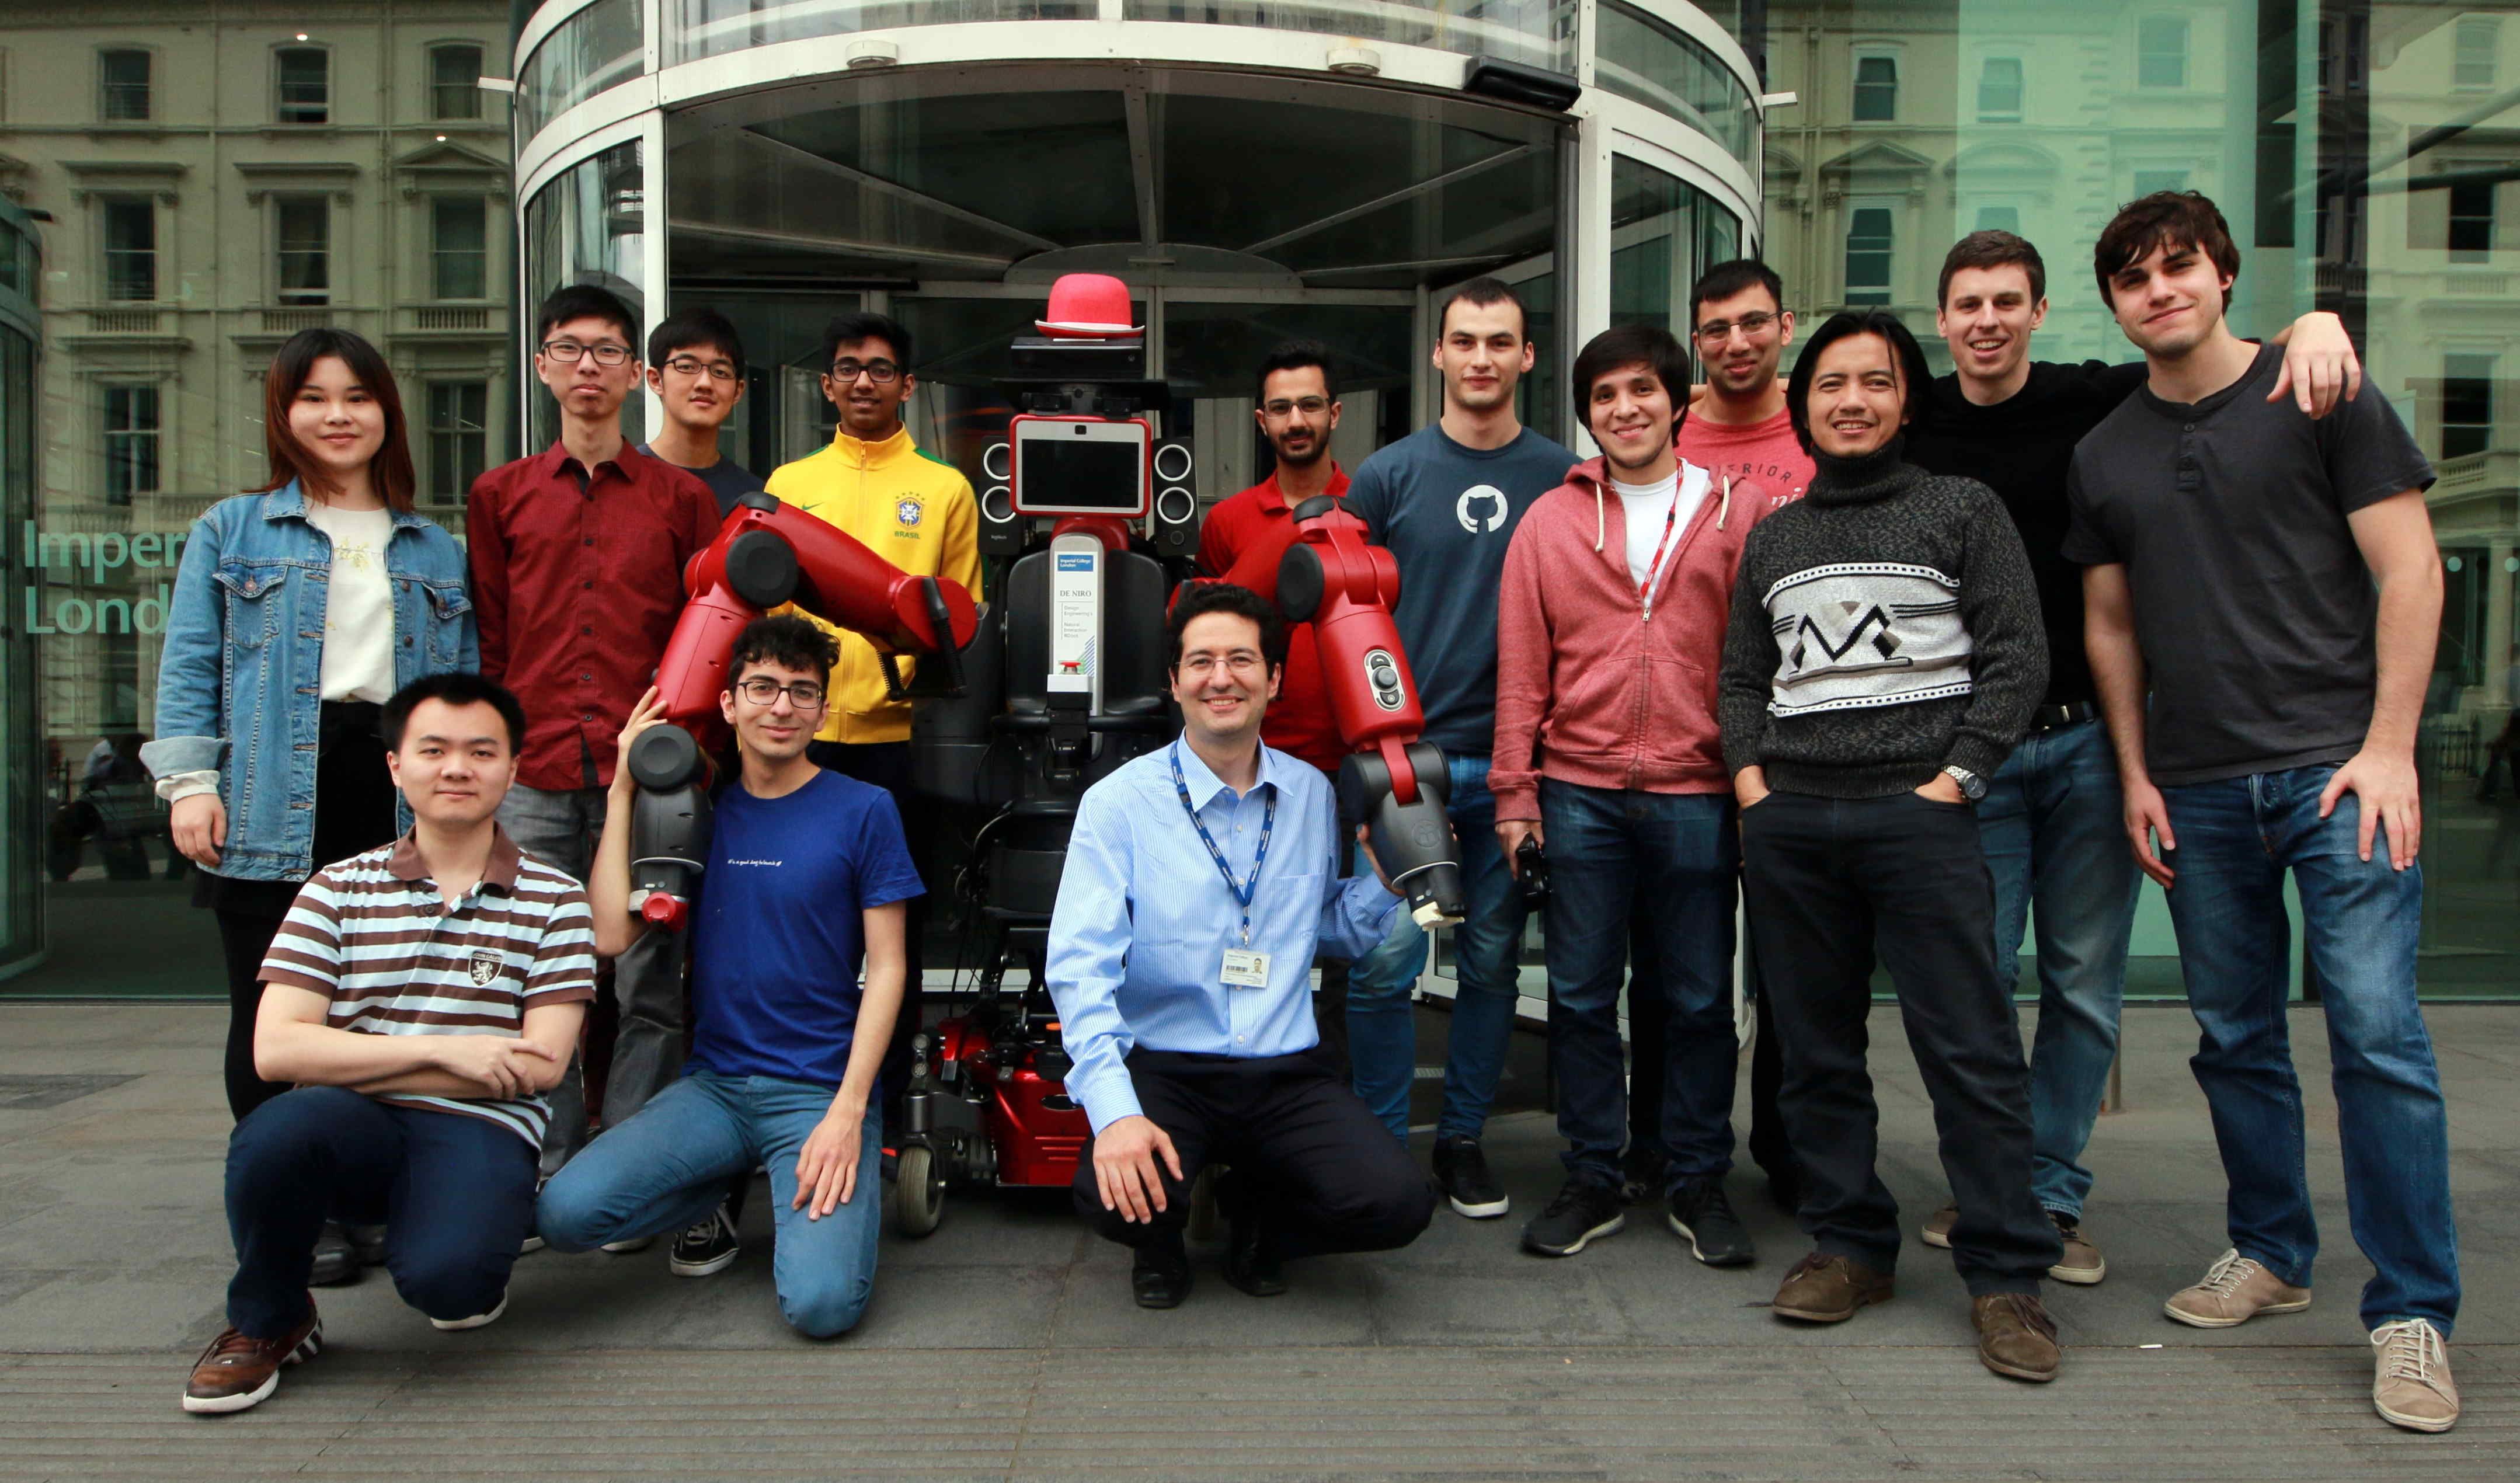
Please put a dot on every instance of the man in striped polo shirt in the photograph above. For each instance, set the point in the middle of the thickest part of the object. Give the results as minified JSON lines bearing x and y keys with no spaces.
{"x":422,"y":996}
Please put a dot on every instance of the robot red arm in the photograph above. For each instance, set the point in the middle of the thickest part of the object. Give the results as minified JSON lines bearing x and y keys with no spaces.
{"x":1332,"y":578}
{"x":766,"y":555}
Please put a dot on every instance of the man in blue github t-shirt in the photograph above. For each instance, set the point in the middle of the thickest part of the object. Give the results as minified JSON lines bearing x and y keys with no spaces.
{"x":1446,"y":501}
{"x":807,"y":876}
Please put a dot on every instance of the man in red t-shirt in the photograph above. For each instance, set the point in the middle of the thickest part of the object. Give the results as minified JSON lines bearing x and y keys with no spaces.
{"x":1297,"y":410}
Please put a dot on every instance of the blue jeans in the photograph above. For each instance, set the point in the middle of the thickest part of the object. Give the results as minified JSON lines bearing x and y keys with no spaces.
{"x":1381,"y":1030}
{"x":668,"y":1166}
{"x":2053,"y":824}
{"x":455,"y":1194}
{"x":1662,"y":864}
{"x":2237,"y":839}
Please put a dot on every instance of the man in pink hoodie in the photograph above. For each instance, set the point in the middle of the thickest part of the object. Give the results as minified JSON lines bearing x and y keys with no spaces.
{"x":1609,"y":635}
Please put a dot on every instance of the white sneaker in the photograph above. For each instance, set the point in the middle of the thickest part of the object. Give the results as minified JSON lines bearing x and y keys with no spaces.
{"x":476,"y":1320}
{"x":636,"y":1243}
{"x":2410,"y":1385}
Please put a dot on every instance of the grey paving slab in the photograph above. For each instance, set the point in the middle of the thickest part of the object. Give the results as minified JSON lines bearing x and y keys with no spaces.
{"x":1004,"y":1347}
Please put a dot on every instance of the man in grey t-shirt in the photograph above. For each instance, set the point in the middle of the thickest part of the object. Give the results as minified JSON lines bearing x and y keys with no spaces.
{"x":2276,"y":580}
{"x":1446,"y":501}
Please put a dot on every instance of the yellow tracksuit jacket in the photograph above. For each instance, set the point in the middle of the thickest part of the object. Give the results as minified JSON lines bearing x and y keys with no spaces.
{"x":911,"y":510}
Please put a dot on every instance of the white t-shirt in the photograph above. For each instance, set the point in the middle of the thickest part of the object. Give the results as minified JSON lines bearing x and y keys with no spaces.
{"x":1649,"y":505}
{"x":358,"y":612}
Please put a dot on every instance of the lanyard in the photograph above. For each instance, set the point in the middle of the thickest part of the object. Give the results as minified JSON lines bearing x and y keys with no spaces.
{"x":1268,"y":821}
{"x":1654,"y":569}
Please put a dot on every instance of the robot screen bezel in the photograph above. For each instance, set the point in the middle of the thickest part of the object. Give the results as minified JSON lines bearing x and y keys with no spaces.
{"x":1024,"y":430}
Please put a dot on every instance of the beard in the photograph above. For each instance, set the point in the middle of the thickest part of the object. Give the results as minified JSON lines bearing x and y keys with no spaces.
{"x":1321,"y":447}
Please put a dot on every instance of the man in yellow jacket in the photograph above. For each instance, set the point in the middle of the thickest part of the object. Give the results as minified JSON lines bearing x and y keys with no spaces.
{"x":916,"y":512}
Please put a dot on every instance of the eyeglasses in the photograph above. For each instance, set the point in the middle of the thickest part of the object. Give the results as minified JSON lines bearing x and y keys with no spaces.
{"x":880,"y":372}
{"x":761,"y":690}
{"x":566,"y":352}
{"x":1751,"y":325}
{"x":1310,"y":406}
{"x":1240,"y":665}
{"x":716,"y":369}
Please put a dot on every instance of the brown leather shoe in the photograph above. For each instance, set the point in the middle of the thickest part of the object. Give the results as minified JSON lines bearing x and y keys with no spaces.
{"x":238,"y":1372}
{"x":2015,"y":1336}
{"x":1827,"y":1289}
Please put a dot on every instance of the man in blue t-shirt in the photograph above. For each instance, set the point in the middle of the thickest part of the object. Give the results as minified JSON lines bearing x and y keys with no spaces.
{"x":1446,"y":500}
{"x":806,"y":879}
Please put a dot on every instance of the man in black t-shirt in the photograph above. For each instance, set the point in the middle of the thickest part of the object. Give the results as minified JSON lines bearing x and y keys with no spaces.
{"x":2050,"y":823}
{"x":2277,"y":583}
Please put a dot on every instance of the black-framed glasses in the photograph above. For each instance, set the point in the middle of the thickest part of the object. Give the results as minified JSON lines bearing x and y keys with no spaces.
{"x":880,"y":372}
{"x":688,"y":365}
{"x":1310,"y":406}
{"x":1720,"y":329}
{"x":566,"y":352}
{"x":761,"y":690}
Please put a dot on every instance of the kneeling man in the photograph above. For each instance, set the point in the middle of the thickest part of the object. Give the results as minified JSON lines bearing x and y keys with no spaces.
{"x":807,"y":876}
{"x":1199,"y":881}
{"x":422,"y":996}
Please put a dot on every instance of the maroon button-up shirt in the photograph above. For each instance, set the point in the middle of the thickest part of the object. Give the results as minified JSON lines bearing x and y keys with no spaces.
{"x":577,"y":580}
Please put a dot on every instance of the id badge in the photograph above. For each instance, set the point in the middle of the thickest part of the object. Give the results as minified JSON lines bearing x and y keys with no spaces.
{"x":1245,"y":968}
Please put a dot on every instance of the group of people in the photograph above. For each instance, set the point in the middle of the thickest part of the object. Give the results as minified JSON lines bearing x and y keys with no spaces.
{"x":1909,"y":662}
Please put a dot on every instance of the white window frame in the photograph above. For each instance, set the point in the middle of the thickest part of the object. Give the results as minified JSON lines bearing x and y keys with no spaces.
{"x":2187,"y":52}
{"x":471,"y":90}
{"x":1874,"y":52}
{"x":434,"y":432}
{"x":332,"y":87}
{"x":2020,"y":88}
{"x":104,"y":115}
{"x":437,"y":201}
{"x":1889,"y":285}
{"x":332,"y":287}
{"x":105,"y":250}
{"x":107,"y":434}
{"x":2470,"y":71}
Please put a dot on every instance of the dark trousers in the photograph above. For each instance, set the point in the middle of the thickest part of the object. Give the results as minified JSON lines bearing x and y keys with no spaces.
{"x":1648,"y":1028}
{"x":455,"y":1194}
{"x":1625,"y":864}
{"x":1830,"y":883}
{"x":887,"y":765}
{"x":354,"y":813}
{"x":1309,"y":1153}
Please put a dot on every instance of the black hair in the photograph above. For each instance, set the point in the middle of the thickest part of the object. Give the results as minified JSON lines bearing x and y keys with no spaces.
{"x":1725,"y":279}
{"x":850,"y":329}
{"x":1294,"y":355}
{"x":786,"y":641}
{"x":1227,"y":597}
{"x":1484,"y":292}
{"x":687,"y":328}
{"x":2172,"y":219}
{"x":1914,"y":374}
{"x":586,"y":301}
{"x":1623,"y":345}
{"x":455,"y":688}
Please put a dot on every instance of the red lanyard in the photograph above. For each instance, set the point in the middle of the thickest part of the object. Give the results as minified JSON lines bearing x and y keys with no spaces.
{"x":1654,"y":569}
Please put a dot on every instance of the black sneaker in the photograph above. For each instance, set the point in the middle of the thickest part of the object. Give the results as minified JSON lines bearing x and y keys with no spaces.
{"x":1583,"y":1209}
{"x":705,"y":1247}
{"x":1461,"y":1172}
{"x":1643,"y":1171}
{"x":335,"y":1261}
{"x":1704,"y":1219}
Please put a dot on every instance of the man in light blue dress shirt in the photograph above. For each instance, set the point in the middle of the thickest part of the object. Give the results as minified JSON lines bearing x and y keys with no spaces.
{"x":1199,"y":881}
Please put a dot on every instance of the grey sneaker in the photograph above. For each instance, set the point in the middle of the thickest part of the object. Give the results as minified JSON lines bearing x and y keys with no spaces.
{"x":2411,"y":1385}
{"x":1937,"y":1231}
{"x":2235,"y":1290}
{"x":2082,"y":1264}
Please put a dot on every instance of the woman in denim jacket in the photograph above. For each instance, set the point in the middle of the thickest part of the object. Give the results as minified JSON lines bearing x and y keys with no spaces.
{"x":297,"y":610}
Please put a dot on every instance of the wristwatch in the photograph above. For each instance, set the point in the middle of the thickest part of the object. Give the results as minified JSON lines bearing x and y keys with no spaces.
{"x":1972,"y":786}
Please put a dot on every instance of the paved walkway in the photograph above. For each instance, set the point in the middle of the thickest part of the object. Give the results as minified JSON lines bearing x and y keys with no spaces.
{"x":1004,"y":1347}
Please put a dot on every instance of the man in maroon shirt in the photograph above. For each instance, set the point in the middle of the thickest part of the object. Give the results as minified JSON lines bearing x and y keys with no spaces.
{"x":577,"y":557}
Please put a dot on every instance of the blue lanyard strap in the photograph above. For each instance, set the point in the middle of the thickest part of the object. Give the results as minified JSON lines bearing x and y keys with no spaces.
{"x":1242,"y":893}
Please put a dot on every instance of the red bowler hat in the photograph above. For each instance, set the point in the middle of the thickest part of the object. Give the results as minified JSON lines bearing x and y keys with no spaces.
{"x":1088,"y":305}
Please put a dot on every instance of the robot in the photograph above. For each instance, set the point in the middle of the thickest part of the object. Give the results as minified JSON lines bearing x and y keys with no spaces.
{"x":1045,"y":691}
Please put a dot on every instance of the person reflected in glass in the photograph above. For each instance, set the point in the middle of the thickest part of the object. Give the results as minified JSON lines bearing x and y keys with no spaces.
{"x":298,"y":610}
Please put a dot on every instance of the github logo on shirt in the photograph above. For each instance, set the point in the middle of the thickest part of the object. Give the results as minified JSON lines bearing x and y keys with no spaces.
{"x":1480,"y":509}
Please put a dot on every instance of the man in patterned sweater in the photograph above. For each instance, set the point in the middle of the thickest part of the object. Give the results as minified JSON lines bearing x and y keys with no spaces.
{"x":422,"y":996}
{"x":1882,"y":659}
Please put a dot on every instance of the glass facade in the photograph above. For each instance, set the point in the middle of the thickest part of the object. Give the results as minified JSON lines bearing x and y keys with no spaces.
{"x":601,"y":46}
{"x":587,"y":227}
{"x":24,"y":833}
{"x":2363,"y":155}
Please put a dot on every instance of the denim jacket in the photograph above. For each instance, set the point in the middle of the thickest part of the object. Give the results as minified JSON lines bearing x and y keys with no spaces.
{"x":238,"y":680}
